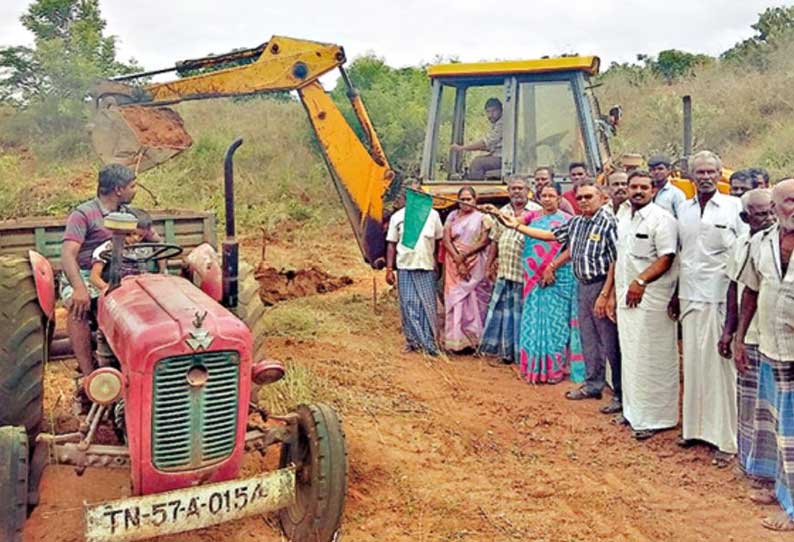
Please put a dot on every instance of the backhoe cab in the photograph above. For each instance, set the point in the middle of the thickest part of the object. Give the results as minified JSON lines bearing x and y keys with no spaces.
{"x":549,"y":118}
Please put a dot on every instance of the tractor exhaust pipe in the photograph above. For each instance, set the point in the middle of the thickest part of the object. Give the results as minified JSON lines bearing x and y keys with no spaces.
{"x":230,"y":250}
{"x":687,"y":102}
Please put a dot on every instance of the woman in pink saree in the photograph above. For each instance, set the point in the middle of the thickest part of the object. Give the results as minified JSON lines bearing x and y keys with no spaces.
{"x":467,"y":289}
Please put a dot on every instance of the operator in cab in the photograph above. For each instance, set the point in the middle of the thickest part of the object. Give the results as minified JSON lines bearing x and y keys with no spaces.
{"x":491,"y":143}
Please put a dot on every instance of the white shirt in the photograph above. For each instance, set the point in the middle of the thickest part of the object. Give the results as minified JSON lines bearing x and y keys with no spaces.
{"x":421,"y":256}
{"x":764,"y":274}
{"x":642,"y":239}
{"x":706,"y":243}
{"x":735,"y":267}
{"x":669,"y":198}
{"x":107,"y":246}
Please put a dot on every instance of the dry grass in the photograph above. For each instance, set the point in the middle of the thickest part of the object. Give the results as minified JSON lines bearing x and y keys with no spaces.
{"x":742,"y":114}
{"x":280,"y":177}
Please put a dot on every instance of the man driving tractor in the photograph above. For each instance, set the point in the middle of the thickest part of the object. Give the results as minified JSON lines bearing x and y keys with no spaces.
{"x":85,"y":232}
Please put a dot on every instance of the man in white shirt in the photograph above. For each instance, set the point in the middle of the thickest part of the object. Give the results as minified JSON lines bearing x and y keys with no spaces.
{"x":668,"y":196}
{"x":416,"y":278}
{"x":617,"y":189}
{"x":708,"y":227}
{"x":647,"y":243}
{"x":769,"y":290}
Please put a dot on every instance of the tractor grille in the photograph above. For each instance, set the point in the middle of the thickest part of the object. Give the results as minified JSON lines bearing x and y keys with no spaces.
{"x":194,"y":427}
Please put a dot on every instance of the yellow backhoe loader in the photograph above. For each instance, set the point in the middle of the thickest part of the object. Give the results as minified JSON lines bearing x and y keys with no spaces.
{"x":549,"y":118}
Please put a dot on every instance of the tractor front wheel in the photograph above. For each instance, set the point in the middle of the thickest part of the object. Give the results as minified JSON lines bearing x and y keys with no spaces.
{"x":320,"y":457}
{"x":13,"y":482}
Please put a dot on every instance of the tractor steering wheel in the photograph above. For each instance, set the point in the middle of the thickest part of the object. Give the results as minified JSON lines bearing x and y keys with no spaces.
{"x":139,"y":253}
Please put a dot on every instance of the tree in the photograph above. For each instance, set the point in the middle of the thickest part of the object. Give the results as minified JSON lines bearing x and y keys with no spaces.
{"x":673,"y":64}
{"x":774,"y":26}
{"x":396,"y":99}
{"x":49,"y":83}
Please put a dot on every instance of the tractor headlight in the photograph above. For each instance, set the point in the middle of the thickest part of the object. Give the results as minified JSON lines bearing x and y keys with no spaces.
{"x":104,"y":386}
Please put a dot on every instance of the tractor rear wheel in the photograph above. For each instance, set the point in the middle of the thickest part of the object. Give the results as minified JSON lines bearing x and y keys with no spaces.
{"x":250,"y":308}
{"x":13,"y":482}
{"x":320,"y":455}
{"x":23,"y":336}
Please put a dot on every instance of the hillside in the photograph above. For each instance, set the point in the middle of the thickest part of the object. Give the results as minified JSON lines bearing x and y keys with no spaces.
{"x":743,"y":113}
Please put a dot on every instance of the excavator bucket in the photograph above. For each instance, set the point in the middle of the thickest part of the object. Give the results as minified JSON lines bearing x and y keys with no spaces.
{"x":137,"y":136}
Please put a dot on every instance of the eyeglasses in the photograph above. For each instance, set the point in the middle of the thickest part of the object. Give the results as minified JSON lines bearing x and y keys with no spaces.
{"x":584,"y":197}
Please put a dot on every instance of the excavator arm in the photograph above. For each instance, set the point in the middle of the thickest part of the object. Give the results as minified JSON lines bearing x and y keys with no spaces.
{"x":132,"y":126}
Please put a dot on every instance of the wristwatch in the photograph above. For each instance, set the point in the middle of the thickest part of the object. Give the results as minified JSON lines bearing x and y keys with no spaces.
{"x":641,"y":282}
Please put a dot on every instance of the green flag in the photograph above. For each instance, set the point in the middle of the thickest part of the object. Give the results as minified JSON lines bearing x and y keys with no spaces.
{"x":417,"y":209}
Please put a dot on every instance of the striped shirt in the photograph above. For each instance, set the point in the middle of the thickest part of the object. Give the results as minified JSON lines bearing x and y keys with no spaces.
{"x":510,"y":245}
{"x":86,"y":226}
{"x":592,"y":242}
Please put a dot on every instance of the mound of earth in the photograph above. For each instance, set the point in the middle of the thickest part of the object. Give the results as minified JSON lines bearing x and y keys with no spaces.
{"x":279,"y":285}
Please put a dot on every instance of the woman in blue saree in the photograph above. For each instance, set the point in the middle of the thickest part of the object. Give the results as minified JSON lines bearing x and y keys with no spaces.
{"x":550,"y":345}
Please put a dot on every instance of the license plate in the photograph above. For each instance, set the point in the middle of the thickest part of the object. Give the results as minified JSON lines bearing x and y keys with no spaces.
{"x":186,"y":509}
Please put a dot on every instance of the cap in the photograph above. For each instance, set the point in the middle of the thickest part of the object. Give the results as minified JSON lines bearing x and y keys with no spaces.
{"x":659,"y":159}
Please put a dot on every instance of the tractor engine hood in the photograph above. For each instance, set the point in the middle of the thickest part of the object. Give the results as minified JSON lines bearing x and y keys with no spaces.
{"x":159,"y":327}
{"x":149,"y":317}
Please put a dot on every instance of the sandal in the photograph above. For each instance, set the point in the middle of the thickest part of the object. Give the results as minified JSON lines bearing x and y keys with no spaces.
{"x":686,"y":442}
{"x":613,"y":407}
{"x":553,"y":381}
{"x":722,"y":459}
{"x":582,"y":393}
{"x":644,"y":434}
{"x":619,"y":420}
{"x":764,"y":497}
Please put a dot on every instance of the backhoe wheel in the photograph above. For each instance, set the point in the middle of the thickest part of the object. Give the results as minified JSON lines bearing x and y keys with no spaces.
{"x":320,"y":455}
{"x":13,"y":482}
{"x":23,"y":336}
{"x":250,"y":308}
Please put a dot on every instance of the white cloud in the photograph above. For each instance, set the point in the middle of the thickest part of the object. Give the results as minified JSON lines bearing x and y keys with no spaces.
{"x":157,"y":32}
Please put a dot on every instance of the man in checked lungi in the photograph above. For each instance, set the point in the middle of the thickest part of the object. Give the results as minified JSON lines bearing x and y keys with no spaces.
{"x":502,"y":330}
{"x":756,"y":449}
{"x":769,"y":290}
{"x":416,"y":275}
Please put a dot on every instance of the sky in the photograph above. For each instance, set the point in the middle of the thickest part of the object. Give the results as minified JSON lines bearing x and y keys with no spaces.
{"x":410,"y":32}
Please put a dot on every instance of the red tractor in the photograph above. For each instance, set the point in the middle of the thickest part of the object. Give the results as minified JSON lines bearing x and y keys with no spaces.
{"x":176,"y":370}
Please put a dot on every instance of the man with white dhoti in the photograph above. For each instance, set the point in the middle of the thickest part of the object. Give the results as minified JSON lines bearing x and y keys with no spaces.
{"x":644,"y":284}
{"x":708,"y":227}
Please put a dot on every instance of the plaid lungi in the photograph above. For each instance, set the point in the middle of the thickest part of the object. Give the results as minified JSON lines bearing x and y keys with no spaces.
{"x":502,"y":331}
{"x":746,"y":399}
{"x":782,"y":373}
{"x":417,"y":289}
{"x":761,"y":461}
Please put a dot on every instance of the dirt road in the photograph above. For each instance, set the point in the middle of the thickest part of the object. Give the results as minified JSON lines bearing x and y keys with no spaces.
{"x":457,"y":450}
